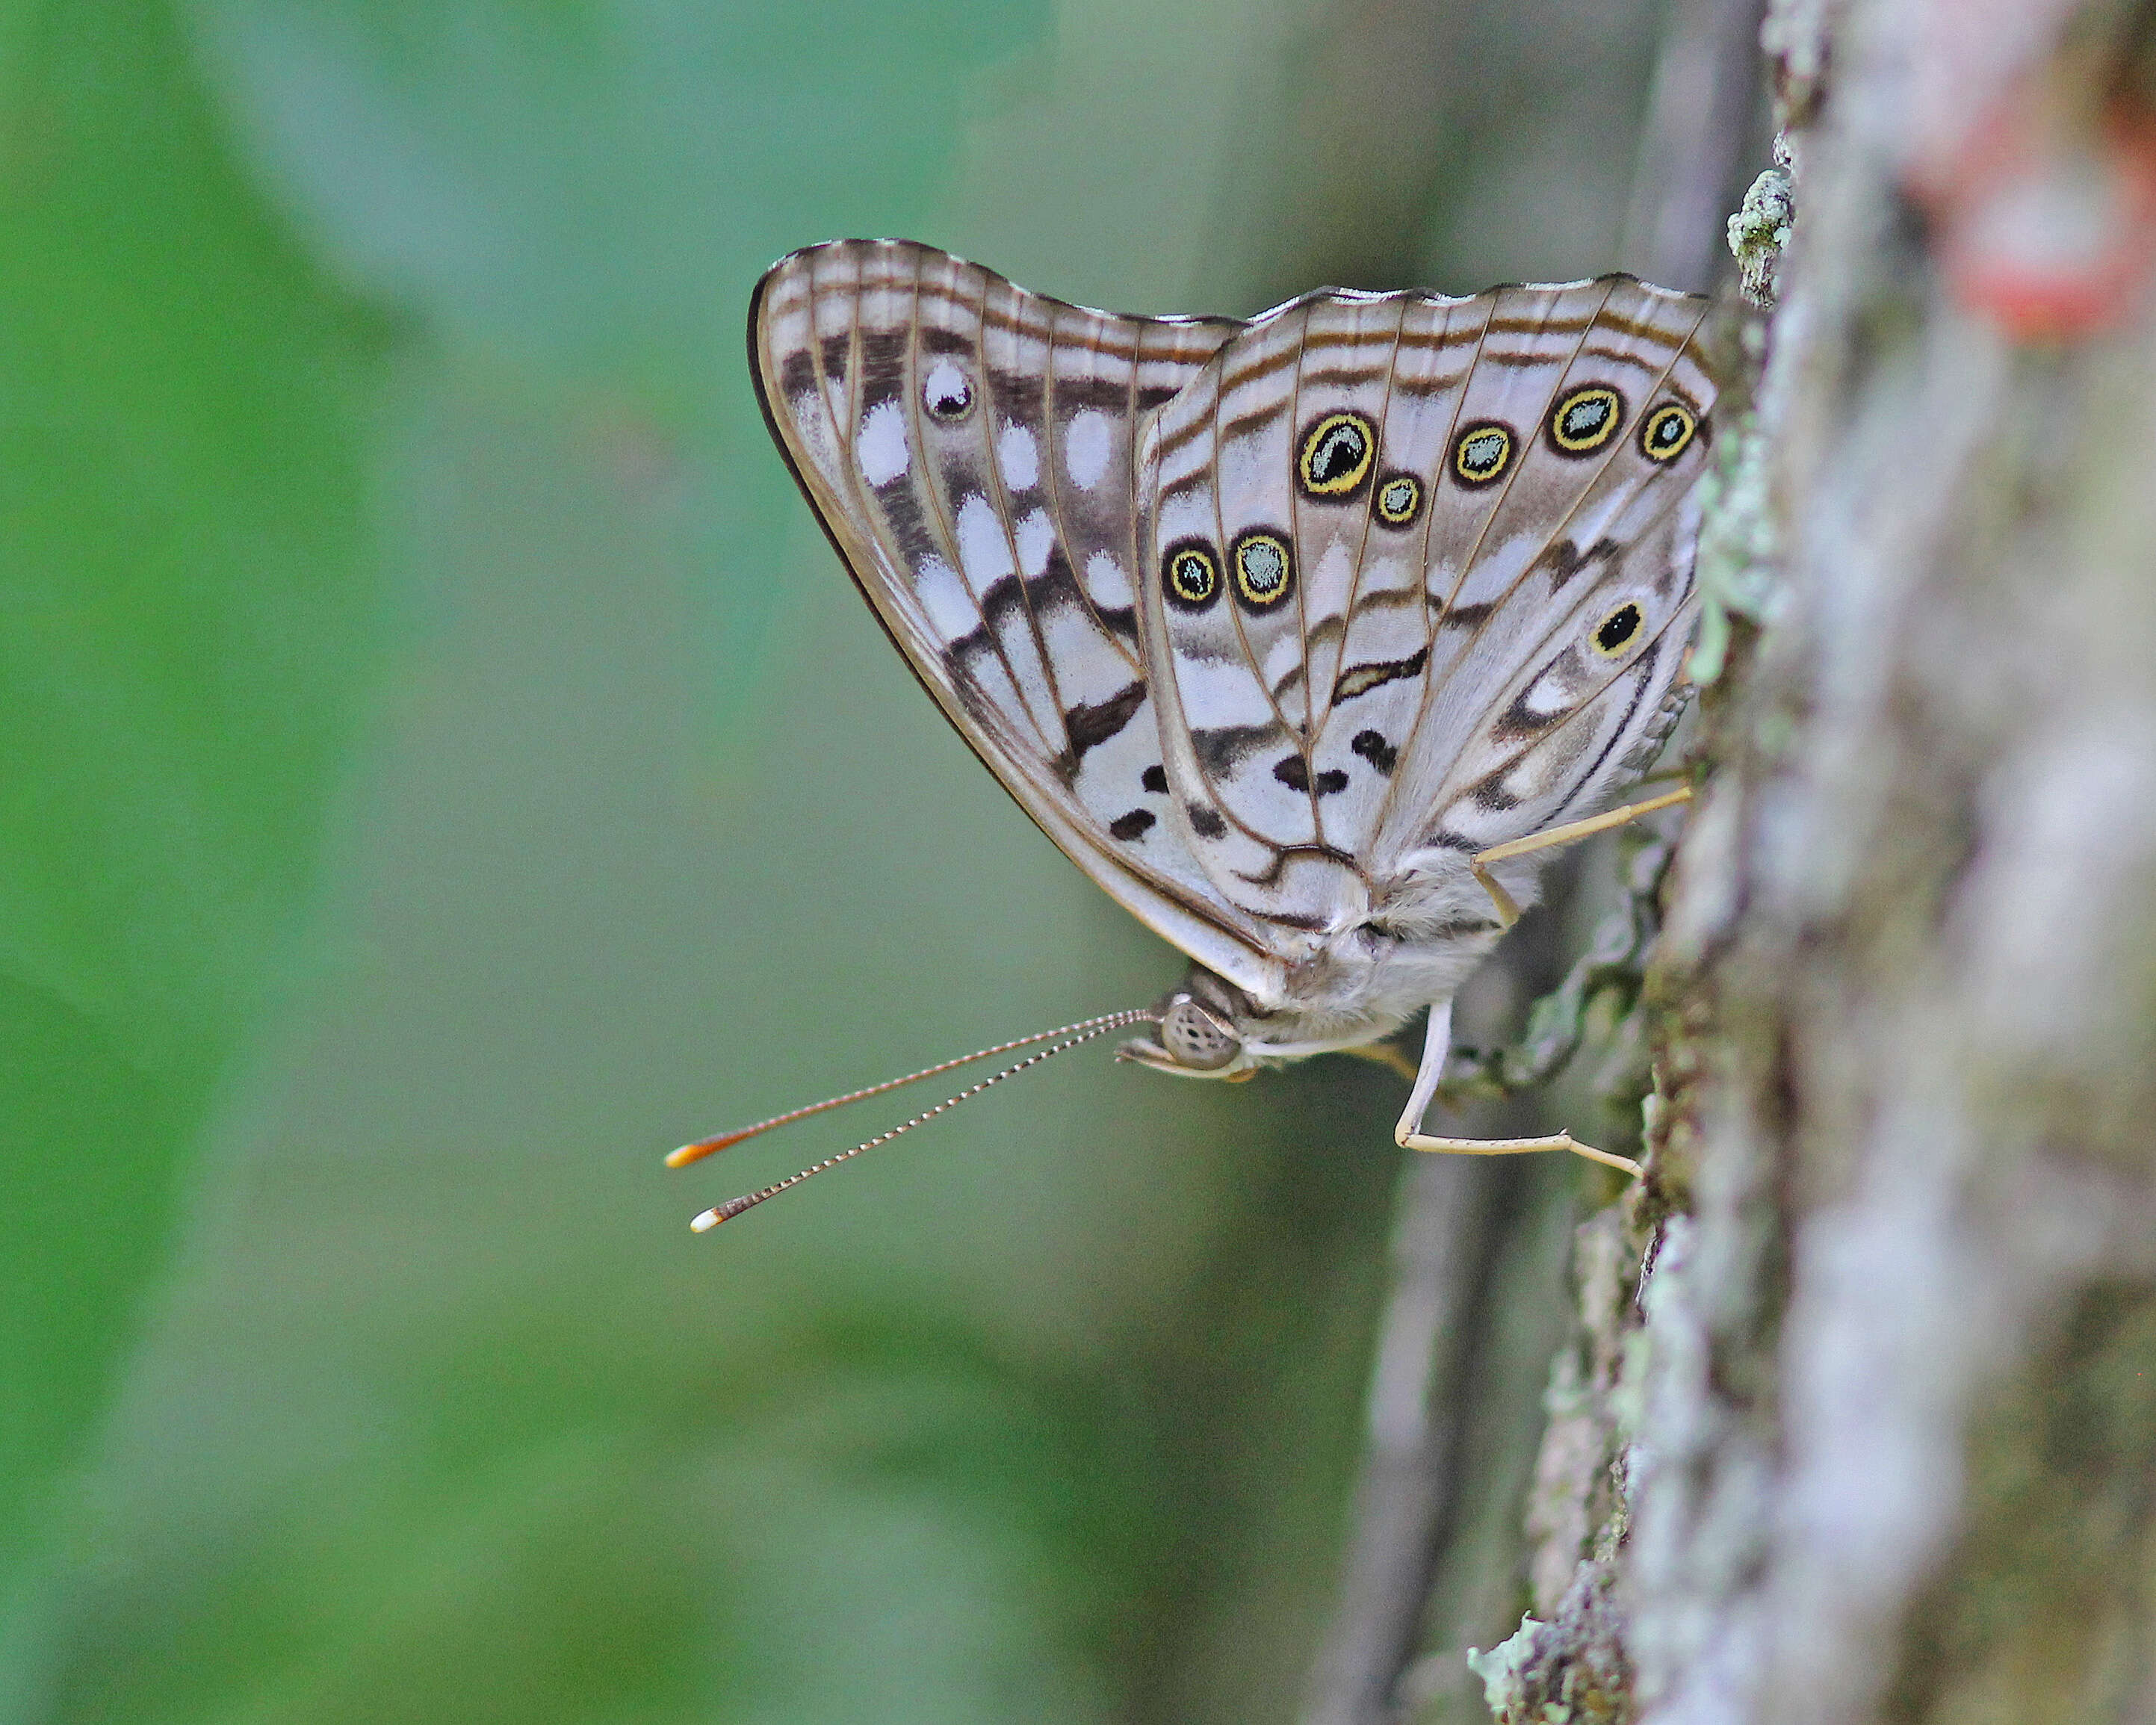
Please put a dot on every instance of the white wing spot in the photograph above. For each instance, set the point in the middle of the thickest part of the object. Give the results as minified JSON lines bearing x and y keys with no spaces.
{"x":984,"y":550}
{"x":882,"y":446}
{"x":951,"y":609}
{"x":1085,"y":448}
{"x":1106,"y":581}
{"x":1219,"y":691}
{"x":1036,"y":538}
{"x":1549,"y":693}
{"x":1021,"y":459}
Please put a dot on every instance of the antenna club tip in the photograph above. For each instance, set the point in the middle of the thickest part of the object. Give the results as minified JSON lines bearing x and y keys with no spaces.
{"x":706,"y":1222}
{"x":706,"y":1146}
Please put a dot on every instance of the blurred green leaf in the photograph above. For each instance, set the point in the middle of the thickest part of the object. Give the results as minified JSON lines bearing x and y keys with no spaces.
{"x":190,"y":622}
{"x":594,"y":188}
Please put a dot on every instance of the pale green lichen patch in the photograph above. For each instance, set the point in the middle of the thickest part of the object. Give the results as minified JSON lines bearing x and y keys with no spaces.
{"x":1739,"y":544}
{"x":1571,"y":1670}
{"x":1759,"y":231}
{"x":1502,"y":1669}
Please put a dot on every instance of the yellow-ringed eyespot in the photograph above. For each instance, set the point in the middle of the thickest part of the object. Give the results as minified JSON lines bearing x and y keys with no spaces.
{"x":1619,"y":630}
{"x":1481,"y":453}
{"x":1399,"y":499}
{"x":1338,"y":454}
{"x":1265,"y":569}
{"x":1585,"y":420}
{"x":1190,"y":574}
{"x":1667,"y":433}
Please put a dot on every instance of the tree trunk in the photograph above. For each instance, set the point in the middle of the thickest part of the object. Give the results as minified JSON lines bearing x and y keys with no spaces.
{"x":1898,"y":1450}
{"x":1876,"y":1439}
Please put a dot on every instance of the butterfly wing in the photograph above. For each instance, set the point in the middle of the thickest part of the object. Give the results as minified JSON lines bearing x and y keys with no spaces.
{"x":967,"y":446}
{"x":1567,"y":603}
{"x":1384,"y":530}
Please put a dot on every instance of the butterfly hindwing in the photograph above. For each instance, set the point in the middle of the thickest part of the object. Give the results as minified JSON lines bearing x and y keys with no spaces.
{"x":1446,"y":499}
{"x":1239,"y":476}
{"x":968,"y":447}
{"x":1535,"y":653}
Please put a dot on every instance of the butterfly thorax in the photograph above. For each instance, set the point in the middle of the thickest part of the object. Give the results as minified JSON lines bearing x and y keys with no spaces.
{"x":1359,"y":985}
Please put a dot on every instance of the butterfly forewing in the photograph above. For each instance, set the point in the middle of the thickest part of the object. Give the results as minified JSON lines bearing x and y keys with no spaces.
{"x":967,"y":446}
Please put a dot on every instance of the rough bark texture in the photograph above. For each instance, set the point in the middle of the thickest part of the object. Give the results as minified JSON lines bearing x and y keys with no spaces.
{"x":1894,"y":1459}
{"x":1874,"y":1437}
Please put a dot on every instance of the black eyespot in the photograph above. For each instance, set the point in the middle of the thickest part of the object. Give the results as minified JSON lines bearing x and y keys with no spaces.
{"x":1190,"y":574}
{"x":1667,"y":433}
{"x":1481,"y":453}
{"x":1617,"y":630}
{"x":945,"y":391}
{"x":1338,"y":452}
{"x":1265,"y":569}
{"x":1134,"y":825}
{"x":1154,"y":779}
{"x":1585,"y":420}
{"x":1399,"y":499}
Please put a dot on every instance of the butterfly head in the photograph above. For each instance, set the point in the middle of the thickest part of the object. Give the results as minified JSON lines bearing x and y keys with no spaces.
{"x":1196,"y":1032}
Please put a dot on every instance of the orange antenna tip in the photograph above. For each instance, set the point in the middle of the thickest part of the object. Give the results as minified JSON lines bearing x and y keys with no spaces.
{"x":708,"y":1146}
{"x":705,"y":1223}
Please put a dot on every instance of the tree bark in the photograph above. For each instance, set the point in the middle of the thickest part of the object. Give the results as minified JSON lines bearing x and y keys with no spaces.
{"x":1872,"y":1438}
{"x":1896,"y":1457}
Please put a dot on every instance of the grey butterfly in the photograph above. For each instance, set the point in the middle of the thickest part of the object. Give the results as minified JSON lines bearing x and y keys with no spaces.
{"x":1275,"y":627}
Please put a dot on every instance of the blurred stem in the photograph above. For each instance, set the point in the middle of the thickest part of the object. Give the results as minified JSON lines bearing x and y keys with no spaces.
{"x":1703,"y":121}
{"x":1441,"y":1245}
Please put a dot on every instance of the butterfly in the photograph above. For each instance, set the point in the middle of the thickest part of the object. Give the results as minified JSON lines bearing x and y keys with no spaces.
{"x":1299,"y":635}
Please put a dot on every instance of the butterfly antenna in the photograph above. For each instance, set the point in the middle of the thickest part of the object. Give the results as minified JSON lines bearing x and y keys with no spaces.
{"x":726,"y":1141}
{"x":1068,"y":1036}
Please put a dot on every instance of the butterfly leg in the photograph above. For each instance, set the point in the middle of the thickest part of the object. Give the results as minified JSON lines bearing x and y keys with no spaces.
{"x":1408,"y":1134}
{"x":1508,"y":912}
{"x":1385,"y":1055}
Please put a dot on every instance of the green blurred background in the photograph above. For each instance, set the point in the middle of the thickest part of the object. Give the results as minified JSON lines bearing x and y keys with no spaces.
{"x":445,"y":768}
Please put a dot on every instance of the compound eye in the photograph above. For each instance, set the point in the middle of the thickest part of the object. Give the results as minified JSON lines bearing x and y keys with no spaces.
{"x":1194,"y":1038}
